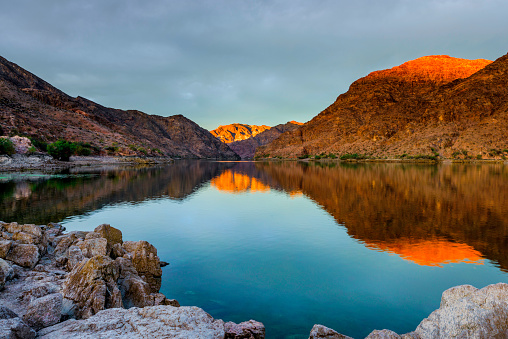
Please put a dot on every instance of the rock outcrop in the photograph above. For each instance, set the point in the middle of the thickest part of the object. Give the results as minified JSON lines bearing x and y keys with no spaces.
{"x":93,"y":284}
{"x":247,"y":148}
{"x":32,"y":107}
{"x":236,"y":132}
{"x":434,"y":106}
{"x":465,"y":312}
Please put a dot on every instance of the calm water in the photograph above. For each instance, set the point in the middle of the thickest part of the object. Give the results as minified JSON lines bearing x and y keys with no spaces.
{"x":352,"y":247}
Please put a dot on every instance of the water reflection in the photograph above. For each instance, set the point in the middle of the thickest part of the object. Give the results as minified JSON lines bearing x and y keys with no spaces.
{"x":41,"y":198}
{"x":428,"y":214}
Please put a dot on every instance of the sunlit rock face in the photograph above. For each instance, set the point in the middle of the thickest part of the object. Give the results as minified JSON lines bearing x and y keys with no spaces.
{"x":247,"y":148}
{"x":436,"y":104}
{"x":236,"y":132}
{"x":232,"y":182}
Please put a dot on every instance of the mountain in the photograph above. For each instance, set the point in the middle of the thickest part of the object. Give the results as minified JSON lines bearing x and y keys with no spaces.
{"x":31,"y":106}
{"x":236,"y":132}
{"x":247,"y":148}
{"x":435,"y":105}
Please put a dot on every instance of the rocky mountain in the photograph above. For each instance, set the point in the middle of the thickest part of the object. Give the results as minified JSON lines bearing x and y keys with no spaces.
{"x":236,"y":132}
{"x":435,"y":105}
{"x":246,"y":148}
{"x":31,"y":106}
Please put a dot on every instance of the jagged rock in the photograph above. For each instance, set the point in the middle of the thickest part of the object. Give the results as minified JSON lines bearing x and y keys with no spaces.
{"x":93,"y":235}
{"x":117,"y":251}
{"x":323,"y":332}
{"x":44,"y":311}
{"x":74,"y":257}
{"x":15,"y":328}
{"x":63,"y":242}
{"x":21,"y":144}
{"x":12,"y":227}
{"x":33,"y":292}
{"x":6,"y":313}
{"x":135,"y":291}
{"x":383,"y":334}
{"x":148,"y":322}
{"x":146,"y":262}
{"x":93,"y":247}
{"x":111,"y":234}
{"x":11,"y":326}
{"x":5,"y":246}
{"x":26,"y":255}
{"x":92,"y":286}
{"x":6,"y":235}
{"x":467,"y":312}
{"x":246,"y":330}
{"x":6,"y":273}
{"x":171,"y":302}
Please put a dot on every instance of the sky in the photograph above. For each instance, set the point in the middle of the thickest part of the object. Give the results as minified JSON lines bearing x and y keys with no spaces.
{"x":237,"y":61}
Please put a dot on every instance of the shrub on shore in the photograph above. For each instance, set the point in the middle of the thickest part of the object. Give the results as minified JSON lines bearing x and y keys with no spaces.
{"x":6,"y":146}
{"x":61,"y":150}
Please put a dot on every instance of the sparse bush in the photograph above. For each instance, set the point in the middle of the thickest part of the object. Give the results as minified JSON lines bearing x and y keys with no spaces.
{"x":6,"y":146}
{"x":479,"y":157}
{"x":353,"y":156}
{"x":61,"y":150}
{"x":305,"y":156}
{"x":332,"y":156}
{"x":39,"y":144}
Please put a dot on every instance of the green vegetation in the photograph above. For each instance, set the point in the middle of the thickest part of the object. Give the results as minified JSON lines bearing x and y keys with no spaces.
{"x":354,"y":156}
{"x":41,"y":145}
{"x":6,"y":146}
{"x":305,"y":156}
{"x":61,"y":150}
{"x":479,"y":157}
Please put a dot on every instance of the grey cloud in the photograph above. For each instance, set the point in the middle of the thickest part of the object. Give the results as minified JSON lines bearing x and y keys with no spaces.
{"x":223,"y":61}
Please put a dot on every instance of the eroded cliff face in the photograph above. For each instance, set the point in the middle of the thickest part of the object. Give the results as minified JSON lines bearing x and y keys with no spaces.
{"x":235,"y":132}
{"x":31,"y":106}
{"x":432,"y":105}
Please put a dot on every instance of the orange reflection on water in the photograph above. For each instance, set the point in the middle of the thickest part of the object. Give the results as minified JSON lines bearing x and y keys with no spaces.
{"x":435,"y":252}
{"x":232,"y":182}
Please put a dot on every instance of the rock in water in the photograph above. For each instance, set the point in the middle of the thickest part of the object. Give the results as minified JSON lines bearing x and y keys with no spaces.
{"x":247,"y":330}
{"x":323,"y":332}
{"x":111,"y":234}
{"x":383,"y":334}
{"x":467,"y":312}
{"x":148,"y":322}
{"x":146,"y":262}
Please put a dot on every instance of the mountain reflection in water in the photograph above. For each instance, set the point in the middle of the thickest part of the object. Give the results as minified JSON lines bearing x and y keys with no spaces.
{"x":428,"y":214}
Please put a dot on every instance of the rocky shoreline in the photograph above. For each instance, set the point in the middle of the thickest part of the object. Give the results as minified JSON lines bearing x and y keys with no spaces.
{"x":94,"y":284}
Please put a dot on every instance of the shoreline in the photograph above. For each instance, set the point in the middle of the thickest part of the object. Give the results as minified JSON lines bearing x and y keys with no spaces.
{"x":19,"y":162}
{"x":88,"y":284}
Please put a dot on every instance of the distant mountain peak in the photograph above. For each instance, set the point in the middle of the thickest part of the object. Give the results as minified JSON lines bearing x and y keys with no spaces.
{"x":235,"y":132}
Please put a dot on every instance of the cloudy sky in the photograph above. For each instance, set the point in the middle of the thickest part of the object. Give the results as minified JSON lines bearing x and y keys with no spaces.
{"x":224,"y":61}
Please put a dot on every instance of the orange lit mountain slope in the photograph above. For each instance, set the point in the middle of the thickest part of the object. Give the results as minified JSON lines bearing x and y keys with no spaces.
{"x":436,"y":104}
